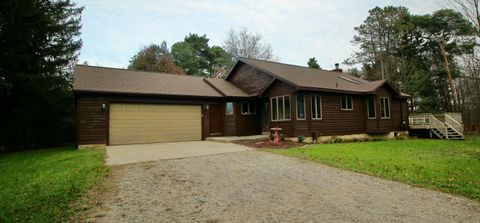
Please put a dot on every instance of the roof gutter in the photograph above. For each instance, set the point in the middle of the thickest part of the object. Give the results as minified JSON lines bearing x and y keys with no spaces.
{"x":333,"y":90}
{"x":77,"y":91}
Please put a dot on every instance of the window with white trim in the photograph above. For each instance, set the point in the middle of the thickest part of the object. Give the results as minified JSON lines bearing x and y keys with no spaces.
{"x":280,"y":108}
{"x":371,"y":107}
{"x":229,"y":108}
{"x":346,"y":103}
{"x":385,"y":107}
{"x":316,"y":107}
{"x":300,"y":99}
{"x":248,"y":108}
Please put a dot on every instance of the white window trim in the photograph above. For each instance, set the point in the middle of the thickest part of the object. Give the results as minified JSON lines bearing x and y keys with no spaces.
{"x":284,"y":114}
{"x":248,"y":108}
{"x":389,"y":109}
{"x":304,"y":107}
{"x":315,"y":107}
{"x":346,"y":109}
{"x":374,"y":108}
{"x":233,"y":108}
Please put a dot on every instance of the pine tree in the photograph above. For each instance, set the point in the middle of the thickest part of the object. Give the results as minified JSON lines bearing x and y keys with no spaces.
{"x":312,"y":63}
{"x":39,"y":45}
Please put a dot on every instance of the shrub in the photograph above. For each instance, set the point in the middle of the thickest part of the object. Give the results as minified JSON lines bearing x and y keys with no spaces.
{"x":338,"y":140}
{"x":335,"y":139}
{"x":301,"y":138}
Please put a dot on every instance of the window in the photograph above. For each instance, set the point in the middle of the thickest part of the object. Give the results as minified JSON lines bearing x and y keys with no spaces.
{"x":371,"y":107}
{"x":280,"y":108}
{"x":384,"y":107}
{"x":248,"y":108}
{"x":229,"y":108}
{"x":300,"y":107}
{"x":316,"y":107}
{"x":346,"y":103}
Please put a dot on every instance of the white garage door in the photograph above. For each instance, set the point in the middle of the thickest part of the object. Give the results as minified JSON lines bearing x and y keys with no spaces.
{"x":149,"y":123}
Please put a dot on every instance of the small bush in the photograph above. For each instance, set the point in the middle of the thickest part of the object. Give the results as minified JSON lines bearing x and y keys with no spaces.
{"x":301,"y":138}
{"x":335,"y":139}
{"x":282,"y":137}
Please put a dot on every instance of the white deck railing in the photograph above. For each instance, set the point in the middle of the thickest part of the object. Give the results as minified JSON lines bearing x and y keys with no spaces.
{"x":453,"y":123}
{"x":441,"y":123}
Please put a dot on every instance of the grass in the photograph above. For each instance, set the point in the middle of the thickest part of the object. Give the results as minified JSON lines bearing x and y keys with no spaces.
{"x":42,"y":185}
{"x":449,"y":166}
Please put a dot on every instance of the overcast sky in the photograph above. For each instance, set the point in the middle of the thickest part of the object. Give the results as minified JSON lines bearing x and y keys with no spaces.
{"x":113,"y":31}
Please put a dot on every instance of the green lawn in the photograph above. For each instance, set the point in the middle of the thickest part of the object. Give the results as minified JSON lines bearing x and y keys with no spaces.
{"x":450,"y":166}
{"x":41,"y":185}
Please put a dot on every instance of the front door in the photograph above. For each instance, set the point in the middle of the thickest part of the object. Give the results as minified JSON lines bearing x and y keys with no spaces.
{"x":265,"y":117}
{"x":215,"y":117}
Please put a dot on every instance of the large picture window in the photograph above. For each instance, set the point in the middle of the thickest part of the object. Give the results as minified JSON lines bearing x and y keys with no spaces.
{"x":280,"y":108}
{"x":385,"y":107}
{"x":371,"y":107}
{"x":346,"y":103}
{"x":316,"y":107}
{"x":248,"y":108}
{"x":229,"y":108}
{"x":300,"y":106}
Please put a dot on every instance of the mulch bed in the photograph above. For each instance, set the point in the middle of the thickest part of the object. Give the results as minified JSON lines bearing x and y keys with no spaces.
{"x":265,"y":144}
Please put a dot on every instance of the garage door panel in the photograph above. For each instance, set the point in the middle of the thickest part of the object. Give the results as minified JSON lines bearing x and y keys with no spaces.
{"x":148,"y":123}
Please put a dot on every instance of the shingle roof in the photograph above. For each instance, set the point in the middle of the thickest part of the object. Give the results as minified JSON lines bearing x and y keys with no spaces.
{"x":304,"y":78}
{"x":226,"y":88}
{"x":112,"y":80}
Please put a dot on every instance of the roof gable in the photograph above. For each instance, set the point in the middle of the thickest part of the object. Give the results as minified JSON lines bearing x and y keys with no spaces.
{"x":250,"y":79}
{"x":304,"y":78}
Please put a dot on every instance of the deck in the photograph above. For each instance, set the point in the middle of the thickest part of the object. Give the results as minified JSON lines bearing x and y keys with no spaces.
{"x":444,"y":126}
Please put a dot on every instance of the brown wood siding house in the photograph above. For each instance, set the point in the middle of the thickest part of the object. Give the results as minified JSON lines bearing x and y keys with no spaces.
{"x":255,"y":96}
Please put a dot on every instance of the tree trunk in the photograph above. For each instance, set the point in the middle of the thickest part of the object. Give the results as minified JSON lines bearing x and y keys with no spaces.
{"x":450,"y":80}
{"x":381,"y":67}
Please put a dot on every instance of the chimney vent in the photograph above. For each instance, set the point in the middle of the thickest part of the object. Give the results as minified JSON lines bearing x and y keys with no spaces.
{"x":337,"y":68}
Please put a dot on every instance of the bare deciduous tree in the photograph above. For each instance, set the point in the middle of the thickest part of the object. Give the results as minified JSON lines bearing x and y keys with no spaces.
{"x":470,"y":9}
{"x":469,"y":81}
{"x":247,"y":45}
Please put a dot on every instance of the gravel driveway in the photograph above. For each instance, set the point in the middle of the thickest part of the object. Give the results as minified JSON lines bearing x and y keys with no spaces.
{"x":254,"y":186}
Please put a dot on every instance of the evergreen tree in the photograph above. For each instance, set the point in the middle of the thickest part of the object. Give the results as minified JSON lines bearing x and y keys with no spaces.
{"x":196,"y":57}
{"x":38,"y":47}
{"x":312,"y":63}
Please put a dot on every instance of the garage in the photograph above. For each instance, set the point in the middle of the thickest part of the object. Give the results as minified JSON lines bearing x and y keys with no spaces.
{"x":151,"y":123}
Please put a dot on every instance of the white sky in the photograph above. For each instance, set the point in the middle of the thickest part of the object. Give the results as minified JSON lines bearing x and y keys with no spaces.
{"x":113,"y":31}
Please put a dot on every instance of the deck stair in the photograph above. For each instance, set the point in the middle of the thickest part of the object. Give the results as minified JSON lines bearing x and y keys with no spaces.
{"x":443,"y":126}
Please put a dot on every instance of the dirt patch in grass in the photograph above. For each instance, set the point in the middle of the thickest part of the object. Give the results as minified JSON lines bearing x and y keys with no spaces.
{"x":91,"y":205}
{"x":263,"y":144}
